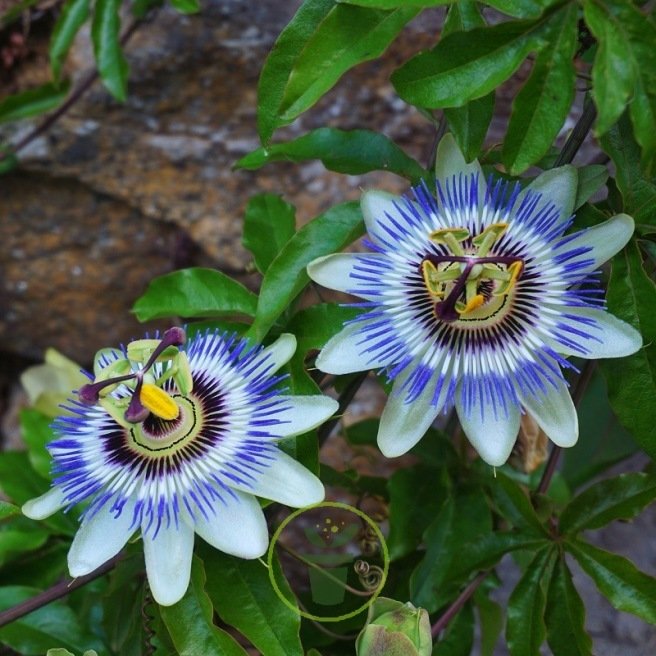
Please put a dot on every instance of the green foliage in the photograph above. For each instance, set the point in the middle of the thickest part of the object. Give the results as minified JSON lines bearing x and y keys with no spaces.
{"x":105,"y":33}
{"x":458,"y":638}
{"x":73,"y":15}
{"x":352,"y":152}
{"x":194,"y":292}
{"x":32,"y":102}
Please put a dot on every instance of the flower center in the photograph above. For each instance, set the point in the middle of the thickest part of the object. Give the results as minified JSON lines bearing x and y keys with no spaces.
{"x":469,"y":283}
{"x":147,"y":395}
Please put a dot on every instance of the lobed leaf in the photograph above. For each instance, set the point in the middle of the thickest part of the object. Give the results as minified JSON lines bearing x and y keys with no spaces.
{"x":515,"y":505}
{"x":345,"y":151}
{"x":286,"y":277}
{"x":112,"y":65}
{"x":269,"y":224}
{"x":321,"y":42}
{"x":467,"y":65}
{"x":189,"y":622}
{"x":73,"y":15}
{"x":186,"y":6}
{"x":621,"y":497}
{"x":469,"y":123}
{"x":525,"y":630}
{"x":244,"y":598}
{"x":31,"y":103}
{"x":194,"y":292}
{"x":565,"y":615}
{"x":617,"y":578}
{"x":541,"y":107}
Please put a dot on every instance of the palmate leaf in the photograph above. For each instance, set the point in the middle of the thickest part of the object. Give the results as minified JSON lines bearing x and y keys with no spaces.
{"x":514,"y":505}
{"x":624,"y":68}
{"x":467,"y":65}
{"x":286,"y":277}
{"x":195,"y":292}
{"x":469,"y":123}
{"x":525,"y":630}
{"x":190,"y":624}
{"x":243,"y":597}
{"x":621,"y":497}
{"x":269,"y":224}
{"x":565,"y":615}
{"x":617,"y":578}
{"x":321,"y":42}
{"x":632,"y":380}
{"x":541,"y":107}
{"x":105,"y":31}
{"x":346,"y":151}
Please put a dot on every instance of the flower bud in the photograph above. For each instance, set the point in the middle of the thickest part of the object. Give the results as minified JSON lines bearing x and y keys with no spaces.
{"x":395,"y":629}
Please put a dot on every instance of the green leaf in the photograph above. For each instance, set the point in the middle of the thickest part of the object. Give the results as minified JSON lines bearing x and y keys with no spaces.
{"x":514,"y":505}
{"x":519,"y":8}
{"x":194,"y":292}
{"x":628,"y":67}
{"x":8,"y":510}
{"x":15,"y":542}
{"x":541,"y":107}
{"x":416,"y":495}
{"x":632,"y":380}
{"x":244,"y":598}
{"x":591,"y":179}
{"x":621,"y":497}
{"x":466,"y":65}
{"x":458,"y":639}
{"x":269,"y":224}
{"x":186,"y":6}
{"x":491,"y":622}
{"x":105,"y":32}
{"x":345,"y":151}
{"x":469,"y":123}
{"x":457,"y":528}
{"x":32,"y":102}
{"x":322,"y":41}
{"x":638,"y":191}
{"x":286,"y":277}
{"x":613,"y":74}
{"x":525,"y":630}
{"x":565,"y":615}
{"x":395,"y":4}
{"x":36,"y":632}
{"x":617,"y":578}
{"x":189,"y":622}
{"x":73,"y":15}
{"x":36,"y":432}
{"x":602,"y":441}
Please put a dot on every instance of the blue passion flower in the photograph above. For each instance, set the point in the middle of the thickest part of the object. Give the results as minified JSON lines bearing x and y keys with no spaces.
{"x":473,"y":297}
{"x":175,"y":438}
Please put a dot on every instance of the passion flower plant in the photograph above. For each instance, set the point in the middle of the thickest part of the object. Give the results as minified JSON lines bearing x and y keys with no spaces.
{"x":474,"y":296}
{"x":174,"y":438}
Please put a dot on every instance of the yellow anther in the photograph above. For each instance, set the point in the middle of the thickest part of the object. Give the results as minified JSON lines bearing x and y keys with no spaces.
{"x":472,"y":304}
{"x":451,"y":238}
{"x":158,"y":402}
{"x":514,"y":270}
{"x":485,"y":240}
{"x":431,"y":278}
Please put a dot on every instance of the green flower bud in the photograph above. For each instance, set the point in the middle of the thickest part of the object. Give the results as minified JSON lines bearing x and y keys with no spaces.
{"x":395,"y":629}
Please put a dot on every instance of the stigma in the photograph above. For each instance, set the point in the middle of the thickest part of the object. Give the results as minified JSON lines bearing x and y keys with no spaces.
{"x":469,"y":281}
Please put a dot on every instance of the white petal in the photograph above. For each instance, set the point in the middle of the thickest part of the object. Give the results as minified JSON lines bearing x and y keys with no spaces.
{"x":304,"y":414}
{"x":555,"y":414}
{"x":557,"y":186}
{"x":334,"y":271}
{"x":492,"y":436}
{"x":168,"y":562}
{"x":98,"y":539}
{"x":280,"y":352}
{"x":343,"y":354}
{"x":45,"y":505}
{"x":403,"y":424}
{"x":238,"y":528}
{"x":450,"y":161}
{"x":379,"y":208}
{"x":285,"y":481}
{"x":605,"y":239}
{"x":609,"y":336}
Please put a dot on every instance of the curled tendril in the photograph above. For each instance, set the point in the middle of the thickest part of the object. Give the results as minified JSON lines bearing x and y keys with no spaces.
{"x":370,"y":575}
